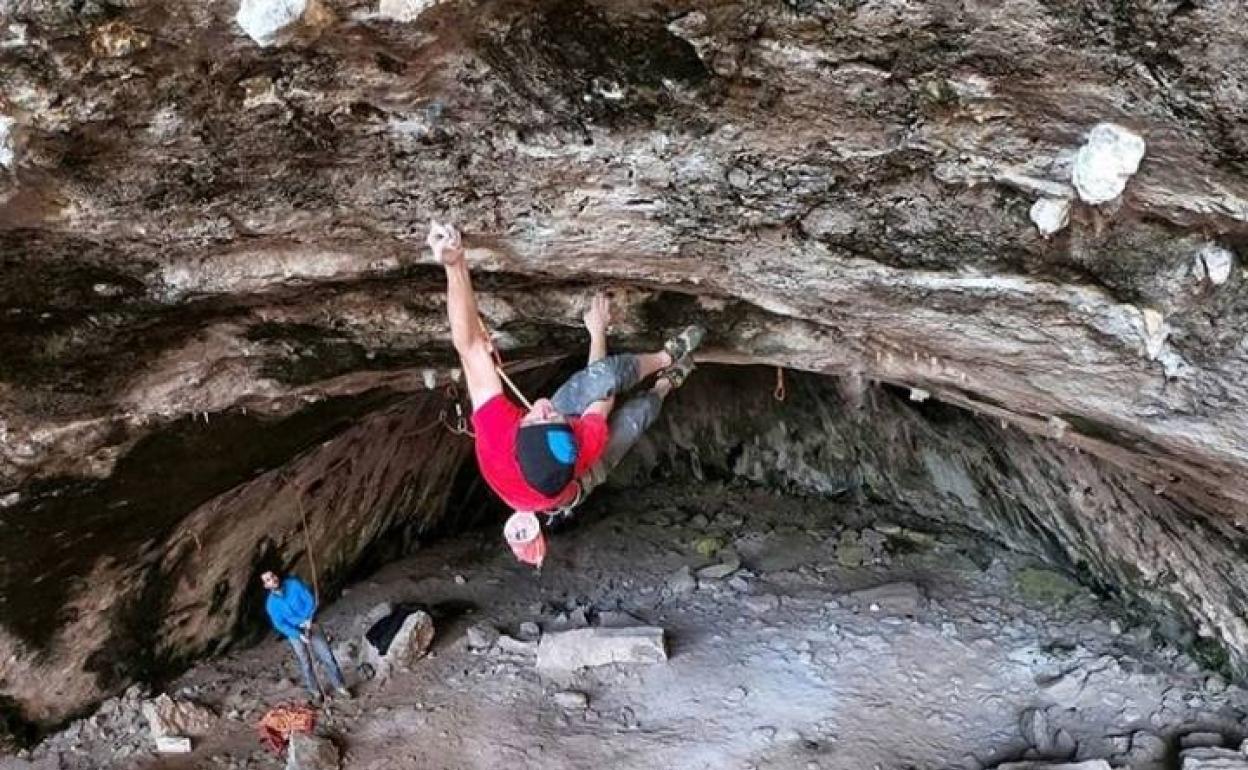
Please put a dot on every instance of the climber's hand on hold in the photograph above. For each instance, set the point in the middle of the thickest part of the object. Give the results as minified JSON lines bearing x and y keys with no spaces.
{"x":598,"y":316}
{"x":447,"y":246}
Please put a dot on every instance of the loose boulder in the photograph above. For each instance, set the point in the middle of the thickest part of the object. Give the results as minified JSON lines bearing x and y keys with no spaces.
{"x":311,"y":752}
{"x":398,"y":640}
{"x":481,"y":637}
{"x":173,"y":719}
{"x":588,"y":647}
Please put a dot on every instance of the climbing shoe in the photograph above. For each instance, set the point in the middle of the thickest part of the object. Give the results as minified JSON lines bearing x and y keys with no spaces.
{"x":684,"y":343}
{"x":679,"y":371}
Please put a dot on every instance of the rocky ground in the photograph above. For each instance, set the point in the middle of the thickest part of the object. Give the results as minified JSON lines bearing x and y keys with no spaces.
{"x":801,"y":634}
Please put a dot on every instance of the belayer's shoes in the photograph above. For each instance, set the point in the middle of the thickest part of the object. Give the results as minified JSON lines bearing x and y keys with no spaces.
{"x":684,"y":343}
{"x":678,"y":372}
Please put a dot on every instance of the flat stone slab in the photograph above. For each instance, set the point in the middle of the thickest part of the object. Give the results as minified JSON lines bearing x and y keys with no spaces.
{"x":1091,"y":764}
{"x":588,"y":647}
{"x":1213,"y":759}
{"x":311,"y":752}
{"x":901,"y":598}
{"x":173,"y":744}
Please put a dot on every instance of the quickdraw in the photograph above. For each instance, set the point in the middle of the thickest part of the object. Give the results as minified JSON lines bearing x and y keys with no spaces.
{"x":460,"y":425}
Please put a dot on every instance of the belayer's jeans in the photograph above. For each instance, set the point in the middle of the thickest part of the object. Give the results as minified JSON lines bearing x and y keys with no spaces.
{"x":600,"y":380}
{"x":320,"y":648}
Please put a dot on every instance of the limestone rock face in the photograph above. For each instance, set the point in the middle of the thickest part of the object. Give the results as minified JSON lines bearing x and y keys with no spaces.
{"x":217,"y":318}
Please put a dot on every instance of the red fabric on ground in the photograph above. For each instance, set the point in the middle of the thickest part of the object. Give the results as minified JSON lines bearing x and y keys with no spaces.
{"x":278,"y":724}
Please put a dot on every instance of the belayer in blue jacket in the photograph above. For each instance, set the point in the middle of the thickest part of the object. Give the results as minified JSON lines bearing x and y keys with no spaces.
{"x":291,"y":608}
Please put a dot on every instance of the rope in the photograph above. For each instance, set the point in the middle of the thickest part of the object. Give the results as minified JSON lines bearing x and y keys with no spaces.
{"x":460,"y":428}
{"x":779,"y":393}
{"x":498,"y":366}
{"x":307,"y":540}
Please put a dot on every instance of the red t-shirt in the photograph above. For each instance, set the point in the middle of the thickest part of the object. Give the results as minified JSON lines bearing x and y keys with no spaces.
{"x":496,"y":423}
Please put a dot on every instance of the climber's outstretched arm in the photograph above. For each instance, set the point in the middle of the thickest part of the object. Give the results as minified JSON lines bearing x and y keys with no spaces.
{"x":597,"y":319}
{"x":469,"y":338}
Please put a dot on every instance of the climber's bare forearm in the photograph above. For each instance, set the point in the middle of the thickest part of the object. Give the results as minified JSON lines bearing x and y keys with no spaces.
{"x":597,"y":346}
{"x":461,"y":308}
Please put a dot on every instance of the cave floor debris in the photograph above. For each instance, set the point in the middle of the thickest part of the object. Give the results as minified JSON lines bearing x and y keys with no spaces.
{"x":844,"y":639}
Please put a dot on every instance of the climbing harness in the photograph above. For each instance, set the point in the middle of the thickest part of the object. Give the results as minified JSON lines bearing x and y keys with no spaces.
{"x":565,"y":511}
{"x":779,"y":393}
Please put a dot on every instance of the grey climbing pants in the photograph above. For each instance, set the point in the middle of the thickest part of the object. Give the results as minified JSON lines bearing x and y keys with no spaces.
{"x":600,"y":380}
{"x":629,"y":420}
{"x":320,"y":648}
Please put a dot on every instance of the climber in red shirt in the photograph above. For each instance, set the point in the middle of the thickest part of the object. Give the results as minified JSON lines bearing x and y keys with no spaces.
{"x":546,"y":459}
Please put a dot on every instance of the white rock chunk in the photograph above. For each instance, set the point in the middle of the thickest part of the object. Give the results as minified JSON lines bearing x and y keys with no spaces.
{"x":6,"y":141}
{"x":587,"y":647}
{"x":18,"y":35}
{"x":311,"y":752}
{"x":1155,"y":332}
{"x":173,"y":744}
{"x":573,"y":700}
{"x":1105,"y":163}
{"x":1215,"y":262}
{"x":1050,"y":215}
{"x":276,"y":22}
{"x":168,"y":717}
{"x":403,"y":10}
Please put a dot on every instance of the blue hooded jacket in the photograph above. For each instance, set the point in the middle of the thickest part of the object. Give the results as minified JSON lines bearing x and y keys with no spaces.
{"x":294,"y":606}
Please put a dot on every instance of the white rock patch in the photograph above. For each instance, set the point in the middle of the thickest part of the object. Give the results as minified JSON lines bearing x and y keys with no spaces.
{"x":6,"y":141}
{"x":275,"y":22}
{"x":403,"y":10}
{"x":1215,"y":262}
{"x":1050,"y":215}
{"x":1105,"y":163}
{"x":1155,"y":332}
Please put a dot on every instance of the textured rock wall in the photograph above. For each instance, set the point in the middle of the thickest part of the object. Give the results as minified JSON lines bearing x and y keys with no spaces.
{"x":126,"y":579}
{"x":196,"y":226}
{"x":1182,"y":566}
